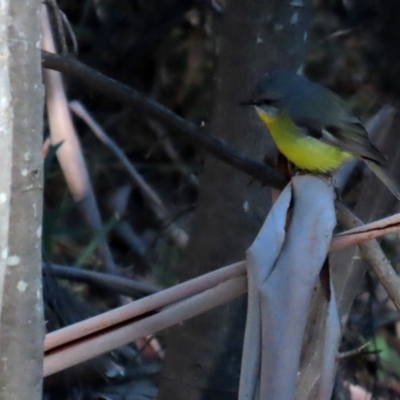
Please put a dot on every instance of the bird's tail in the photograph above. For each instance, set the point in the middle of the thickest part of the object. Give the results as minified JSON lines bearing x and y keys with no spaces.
{"x":383,"y":176}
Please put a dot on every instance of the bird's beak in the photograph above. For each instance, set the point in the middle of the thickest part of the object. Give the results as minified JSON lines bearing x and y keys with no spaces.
{"x":247,"y":103}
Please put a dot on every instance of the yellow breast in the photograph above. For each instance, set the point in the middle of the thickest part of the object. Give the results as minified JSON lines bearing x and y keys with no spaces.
{"x":304,"y":151}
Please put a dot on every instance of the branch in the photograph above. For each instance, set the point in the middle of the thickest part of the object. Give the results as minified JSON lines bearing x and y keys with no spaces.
{"x":143,"y":306}
{"x":178,"y":235}
{"x":372,"y":253}
{"x":64,"y":347}
{"x":118,"y":284}
{"x":146,"y":106}
{"x":189,"y":307}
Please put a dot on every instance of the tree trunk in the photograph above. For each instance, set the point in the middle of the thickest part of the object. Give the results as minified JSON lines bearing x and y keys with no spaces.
{"x":21,"y":191}
{"x":203,"y":354}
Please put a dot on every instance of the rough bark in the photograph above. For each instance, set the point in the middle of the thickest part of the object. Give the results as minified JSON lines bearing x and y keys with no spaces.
{"x":203,"y":354}
{"x":21,"y":114}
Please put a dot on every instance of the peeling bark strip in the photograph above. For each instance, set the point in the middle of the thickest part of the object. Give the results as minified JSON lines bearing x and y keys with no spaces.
{"x":21,"y":112}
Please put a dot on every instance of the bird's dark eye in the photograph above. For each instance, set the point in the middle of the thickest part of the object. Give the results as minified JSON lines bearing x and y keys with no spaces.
{"x":267,"y":102}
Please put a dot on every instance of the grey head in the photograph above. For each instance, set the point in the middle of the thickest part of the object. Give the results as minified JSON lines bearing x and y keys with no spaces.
{"x":277,"y":85}
{"x":283,"y":91}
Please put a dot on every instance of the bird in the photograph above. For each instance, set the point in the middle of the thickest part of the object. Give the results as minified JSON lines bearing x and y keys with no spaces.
{"x":312,"y":126}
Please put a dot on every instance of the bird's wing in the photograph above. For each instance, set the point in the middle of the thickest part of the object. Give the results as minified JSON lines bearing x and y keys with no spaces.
{"x":341,"y":128}
{"x":348,"y":134}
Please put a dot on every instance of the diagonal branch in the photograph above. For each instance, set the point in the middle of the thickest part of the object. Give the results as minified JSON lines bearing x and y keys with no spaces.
{"x":372,"y":253}
{"x":149,"y":107}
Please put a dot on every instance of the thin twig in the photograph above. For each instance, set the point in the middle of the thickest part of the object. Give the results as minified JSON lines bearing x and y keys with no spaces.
{"x":353,"y":352}
{"x":118,"y":203}
{"x":171,"y":152}
{"x":180,"y":237}
{"x":59,"y":25}
{"x":70,"y":31}
{"x":118,"y":284}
